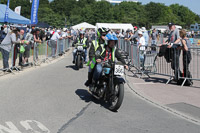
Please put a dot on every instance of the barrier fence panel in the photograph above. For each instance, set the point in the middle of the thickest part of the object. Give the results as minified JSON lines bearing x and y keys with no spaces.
{"x":39,"y":53}
{"x":174,"y":63}
{"x":189,"y":65}
{"x":1,"y":61}
{"x":67,"y":44}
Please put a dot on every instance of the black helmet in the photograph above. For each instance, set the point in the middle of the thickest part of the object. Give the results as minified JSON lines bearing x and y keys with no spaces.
{"x":102,"y":31}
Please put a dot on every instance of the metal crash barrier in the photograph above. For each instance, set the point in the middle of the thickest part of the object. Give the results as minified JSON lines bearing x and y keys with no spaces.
{"x":39,"y":53}
{"x":174,"y":64}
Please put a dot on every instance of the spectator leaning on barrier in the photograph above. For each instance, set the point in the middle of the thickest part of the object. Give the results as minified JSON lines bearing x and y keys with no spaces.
{"x":29,"y":41}
{"x":174,"y":52}
{"x":119,"y":34}
{"x":128,"y":35}
{"x":17,"y":48}
{"x":54,"y":38}
{"x":135,"y":36}
{"x":37,"y":42}
{"x":186,"y":44}
{"x":6,"y":45}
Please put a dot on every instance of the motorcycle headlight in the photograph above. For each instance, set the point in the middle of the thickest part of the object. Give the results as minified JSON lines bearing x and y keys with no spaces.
{"x":106,"y":70}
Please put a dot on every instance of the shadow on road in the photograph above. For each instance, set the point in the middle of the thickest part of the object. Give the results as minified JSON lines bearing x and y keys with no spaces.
{"x":72,"y":67}
{"x":156,"y":80}
{"x":87,"y":97}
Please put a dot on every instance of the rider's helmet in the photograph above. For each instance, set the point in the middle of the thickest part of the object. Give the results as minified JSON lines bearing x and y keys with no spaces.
{"x":102,"y":32}
{"x":82,"y":33}
{"x":111,"y":37}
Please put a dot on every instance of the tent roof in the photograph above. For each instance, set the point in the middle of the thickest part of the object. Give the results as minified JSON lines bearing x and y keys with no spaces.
{"x":115,"y":26}
{"x":84,"y":25}
{"x":12,"y":17}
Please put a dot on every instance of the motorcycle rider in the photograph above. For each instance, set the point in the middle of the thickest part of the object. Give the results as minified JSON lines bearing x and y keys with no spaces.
{"x":81,"y":40}
{"x":101,"y":33}
{"x":107,"y":53}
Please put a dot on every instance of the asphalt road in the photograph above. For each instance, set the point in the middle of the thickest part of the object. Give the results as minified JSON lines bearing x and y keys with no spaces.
{"x":53,"y":99}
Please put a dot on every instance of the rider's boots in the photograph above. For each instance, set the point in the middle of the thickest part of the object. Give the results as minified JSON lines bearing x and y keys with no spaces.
{"x":89,"y":81}
{"x":92,"y":86}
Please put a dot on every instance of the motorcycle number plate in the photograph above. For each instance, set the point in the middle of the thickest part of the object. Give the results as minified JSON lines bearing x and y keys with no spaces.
{"x":119,"y":70}
{"x":80,"y":47}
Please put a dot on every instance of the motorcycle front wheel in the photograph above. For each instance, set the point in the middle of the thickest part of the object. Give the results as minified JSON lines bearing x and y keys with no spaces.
{"x":78,"y":62}
{"x":117,"y":99}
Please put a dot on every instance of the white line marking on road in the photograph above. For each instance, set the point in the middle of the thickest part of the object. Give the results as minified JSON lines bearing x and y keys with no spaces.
{"x":11,"y":128}
{"x":26,"y":125}
{"x":142,"y":83}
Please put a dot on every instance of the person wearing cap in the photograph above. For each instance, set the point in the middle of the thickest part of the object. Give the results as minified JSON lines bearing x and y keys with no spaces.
{"x":81,"y":40}
{"x":145,"y":35}
{"x":135,"y":36}
{"x":6,"y":45}
{"x":56,"y":36}
{"x":174,"y":38}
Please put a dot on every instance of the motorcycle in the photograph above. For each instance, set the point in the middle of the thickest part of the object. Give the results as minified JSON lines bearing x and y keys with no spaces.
{"x":79,"y":57}
{"x":110,"y":86}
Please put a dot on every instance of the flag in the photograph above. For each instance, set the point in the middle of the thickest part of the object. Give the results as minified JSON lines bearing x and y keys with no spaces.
{"x":18,"y":10}
{"x":7,"y":12}
{"x":34,"y":11}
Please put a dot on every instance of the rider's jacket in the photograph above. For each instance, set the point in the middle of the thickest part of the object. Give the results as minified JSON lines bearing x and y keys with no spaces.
{"x":108,"y":56}
{"x":83,"y":41}
{"x":94,"y":47}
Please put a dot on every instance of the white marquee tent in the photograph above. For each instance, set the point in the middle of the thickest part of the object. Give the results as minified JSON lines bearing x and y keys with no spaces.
{"x":83,"y":25}
{"x":115,"y":26}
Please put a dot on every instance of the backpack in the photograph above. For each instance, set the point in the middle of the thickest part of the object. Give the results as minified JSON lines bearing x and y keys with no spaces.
{"x":2,"y":35}
{"x":166,"y":52}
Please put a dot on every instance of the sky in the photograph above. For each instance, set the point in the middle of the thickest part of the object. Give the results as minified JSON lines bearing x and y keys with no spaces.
{"x":193,"y":5}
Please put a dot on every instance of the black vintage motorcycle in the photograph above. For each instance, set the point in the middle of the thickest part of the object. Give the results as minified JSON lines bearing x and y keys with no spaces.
{"x":110,"y":86}
{"x":79,"y":57}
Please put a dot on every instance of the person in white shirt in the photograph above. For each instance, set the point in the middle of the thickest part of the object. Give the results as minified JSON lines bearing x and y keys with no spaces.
{"x":56,"y":36}
{"x":141,"y":42}
{"x":141,"y":45}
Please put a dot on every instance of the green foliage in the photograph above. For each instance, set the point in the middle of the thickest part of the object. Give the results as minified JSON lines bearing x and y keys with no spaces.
{"x":91,"y":11}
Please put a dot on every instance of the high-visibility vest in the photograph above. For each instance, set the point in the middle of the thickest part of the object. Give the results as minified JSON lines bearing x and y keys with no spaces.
{"x":84,"y":42}
{"x":96,"y":45}
{"x":113,"y":53}
{"x":103,"y":50}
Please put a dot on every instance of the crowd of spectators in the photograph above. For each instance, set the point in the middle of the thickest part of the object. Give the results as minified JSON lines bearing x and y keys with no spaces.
{"x":23,"y":39}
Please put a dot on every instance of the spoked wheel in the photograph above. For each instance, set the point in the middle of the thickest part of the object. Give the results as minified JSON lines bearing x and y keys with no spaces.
{"x":117,"y":99}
